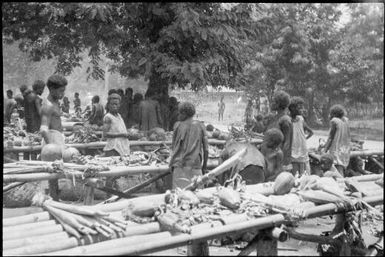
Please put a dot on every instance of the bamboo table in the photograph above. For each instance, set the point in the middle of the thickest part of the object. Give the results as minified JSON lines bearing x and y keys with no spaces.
{"x":36,"y":234}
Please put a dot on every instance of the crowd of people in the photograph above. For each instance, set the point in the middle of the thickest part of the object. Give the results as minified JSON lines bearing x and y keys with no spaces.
{"x":285,"y":131}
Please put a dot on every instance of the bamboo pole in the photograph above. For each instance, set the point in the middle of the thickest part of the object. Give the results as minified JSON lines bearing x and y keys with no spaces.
{"x":95,"y":249}
{"x":34,"y":232}
{"x":34,"y":217}
{"x":12,"y":185}
{"x":16,"y":243}
{"x":29,"y":226}
{"x":39,"y":248}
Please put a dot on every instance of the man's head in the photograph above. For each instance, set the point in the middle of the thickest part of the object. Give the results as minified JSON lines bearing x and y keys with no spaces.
{"x":23,"y":88}
{"x":57,"y":85}
{"x":296,"y":106}
{"x":114,"y":103}
{"x":65,"y":100}
{"x":95,"y":99}
{"x":268,"y":117}
{"x":326,"y":162}
{"x":76,"y":95}
{"x":129,"y":92}
{"x":112,"y":91}
{"x":38,"y":87}
{"x":259,"y":117}
{"x":138,"y":97}
{"x":120,"y":92}
{"x":172,"y":101}
{"x":281,"y":101}
{"x":186,"y":110}
{"x":273,"y":138}
{"x":9,"y":93}
{"x":337,"y":111}
{"x":19,"y":99}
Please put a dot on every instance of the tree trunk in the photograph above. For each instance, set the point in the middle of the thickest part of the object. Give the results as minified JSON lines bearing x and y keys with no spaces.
{"x":311,"y":115}
{"x":159,"y":85}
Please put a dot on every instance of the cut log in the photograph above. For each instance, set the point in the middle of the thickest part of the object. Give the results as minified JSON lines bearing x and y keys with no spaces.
{"x":35,"y":217}
{"x":16,"y":243}
{"x":29,"y":226}
{"x":35,"y":232}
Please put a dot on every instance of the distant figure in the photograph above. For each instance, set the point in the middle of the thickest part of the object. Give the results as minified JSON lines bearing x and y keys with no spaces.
{"x":282,"y":121}
{"x":164,"y":110}
{"x":15,"y":118}
{"x":33,"y":105}
{"x":258,"y":127}
{"x":126,"y":106}
{"x":299,"y":152}
{"x":134,"y":113}
{"x":221,"y":108}
{"x":77,"y":103}
{"x":189,"y":148}
{"x":65,"y":107}
{"x":110,"y":92}
{"x":97,"y":112}
{"x":114,"y":129}
{"x":173,"y":105}
{"x":249,"y":115}
{"x":149,"y":112}
{"x":270,"y":148}
{"x":338,"y":142}
{"x":20,"y":105}
{"x":9,"y":104}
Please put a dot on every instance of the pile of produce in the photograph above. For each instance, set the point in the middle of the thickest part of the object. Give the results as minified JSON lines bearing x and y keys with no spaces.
{"x":79,"y":220}
{"x":244,"y":134}
{"x":16,"y":137}
{"x":83,"y":134}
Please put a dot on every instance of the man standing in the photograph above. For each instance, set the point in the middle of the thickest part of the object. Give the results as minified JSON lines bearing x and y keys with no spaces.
{"x":9,"y":104}
{"x":221,"y":109}
{"x":77,"y":103}
{"x":149,"y":112}
{"x":32,"y":108}
{"x":97,"y":112}
{"x":189,"y":148}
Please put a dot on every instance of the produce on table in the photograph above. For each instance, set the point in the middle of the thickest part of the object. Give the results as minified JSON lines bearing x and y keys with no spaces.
{"x":229,"y":197}
{"x":83,"y":134}
{"x":70,"y":153}
{"x":283,"y":183}
{"x":15,"y":137}
{"x":51,"y":152}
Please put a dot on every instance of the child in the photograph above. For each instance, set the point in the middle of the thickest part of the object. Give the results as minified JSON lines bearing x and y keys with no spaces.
{"x":282,"y":121}
{"x":299,"y":153}
{"x":327,"y":167}
{"x":115,"y":130}
{"x":338,"y":142}
{"x":258,"y":127}
{"x":270,"y":148}
{"x":15,"y":118}
{"x":189,"y":147}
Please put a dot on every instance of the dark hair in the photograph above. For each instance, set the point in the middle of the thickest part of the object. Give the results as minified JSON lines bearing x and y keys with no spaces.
{"x":337,"y":110}
{"x":138,"y":97}
{"x":23,"y":88}
{"x":187,"y":109}
{"x":282,"y":99}
{"x":129,"y":89}
{"x":56,"y":81}
{"x":114,"y":96}
{"x":327,"y":157}
{"x":273,"y":137}
{"x":209,"y":127}
{"x":172,"y":100}
{"x":120,"y":91}
{"x":9,"y":92}
{"x":259,"y":117}
{"x":295,"y":102}
{"x":95,"y":99}
{"x":76,"y":94}
{"x":112,"y":91}
{"x":38,"y":84}
{"x":65,"y":99}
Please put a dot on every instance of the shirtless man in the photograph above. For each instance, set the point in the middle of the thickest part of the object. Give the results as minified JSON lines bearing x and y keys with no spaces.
{"x":50,"y":111}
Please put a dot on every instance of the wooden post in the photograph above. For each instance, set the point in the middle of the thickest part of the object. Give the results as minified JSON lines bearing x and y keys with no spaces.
{"x":200,"y":248}
{"x":89,"y":195}
{"x":266,"y":245}
{"x":53,"y":187}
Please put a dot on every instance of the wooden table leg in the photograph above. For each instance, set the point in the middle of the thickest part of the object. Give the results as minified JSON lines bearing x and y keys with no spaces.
{"x":89,"y":195}
{"x":266,"y":245}
{"x":53,"y":186}
{"x":198,"y":249}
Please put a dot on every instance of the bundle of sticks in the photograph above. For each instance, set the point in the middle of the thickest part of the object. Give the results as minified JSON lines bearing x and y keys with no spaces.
{"x":79,"y":220}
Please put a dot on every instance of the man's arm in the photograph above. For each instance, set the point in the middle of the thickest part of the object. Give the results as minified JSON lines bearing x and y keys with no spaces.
{"x":332,"y":134}
{"x":205,"y":150}
{"x":45,"y":120}
{"x":308,"y":130}
{"x":286,"y":131}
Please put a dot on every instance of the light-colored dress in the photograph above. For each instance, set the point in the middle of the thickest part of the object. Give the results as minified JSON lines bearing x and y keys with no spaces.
{"x":340,"y":146}
{"x":299,"y":152}
{"x":120,"y":144}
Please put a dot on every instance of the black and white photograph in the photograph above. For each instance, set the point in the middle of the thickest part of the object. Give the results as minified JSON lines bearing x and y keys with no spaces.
{"x":193,"y":128}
